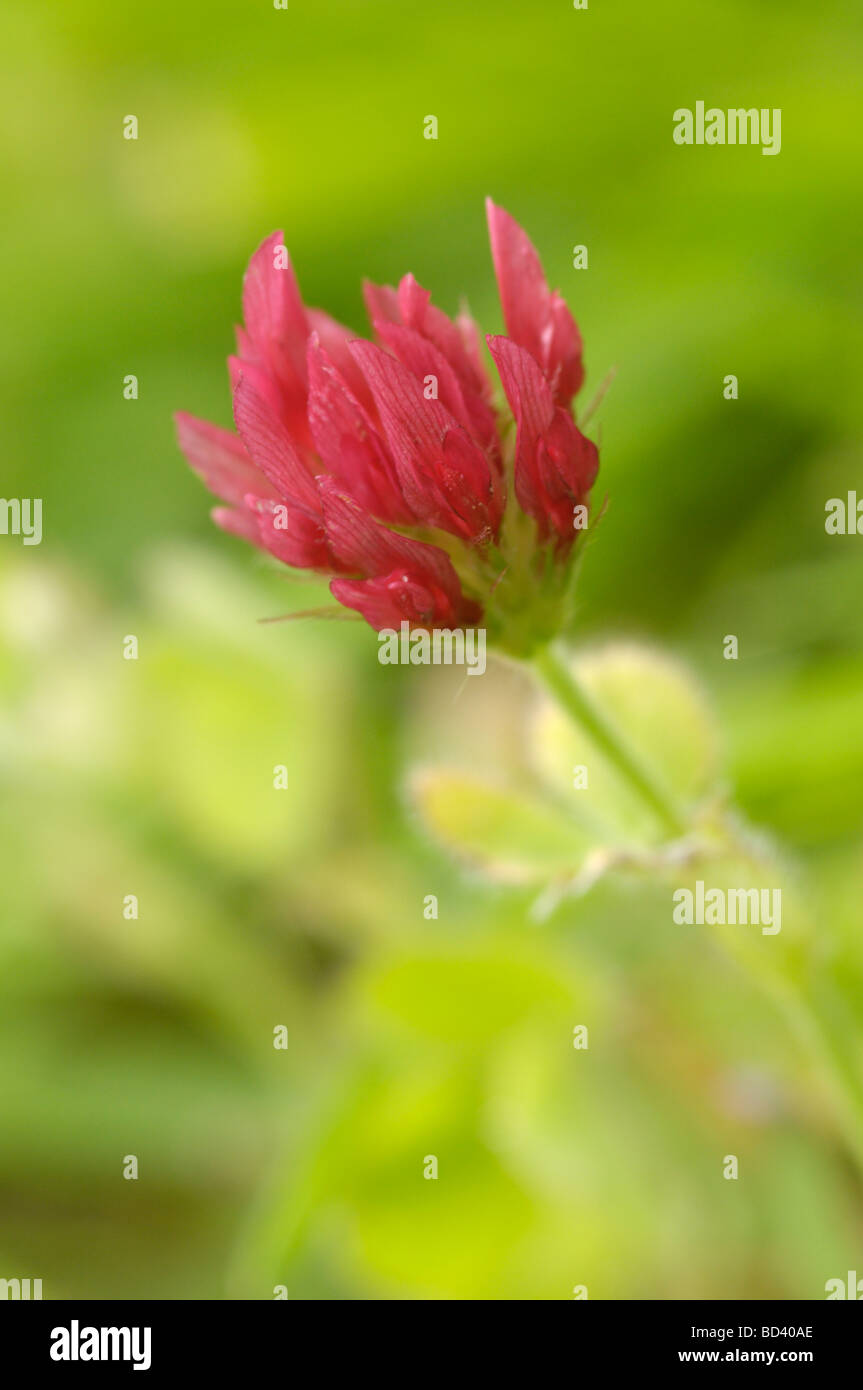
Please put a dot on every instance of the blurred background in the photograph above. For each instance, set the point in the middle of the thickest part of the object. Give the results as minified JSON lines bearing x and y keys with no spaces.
{"x":411,"y":1036}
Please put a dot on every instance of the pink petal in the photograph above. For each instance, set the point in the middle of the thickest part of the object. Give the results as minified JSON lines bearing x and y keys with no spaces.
{"x":346,"y":440}
{"x":420,"y":355}
{"x":536,"y":318}
{"x":415,"y":580}
{"x":445,"y":478}
{"x":269,"y":445}
{"x":220,"y":459}
{"x":419,"y":313}
{"x":382,"y":303}
{"x":469,"y":334}
{"x":391,"y":599}
{"x":411,"y":308}
{"x":555,"y":463}
{"x":295,"y":538}
{"x":335,"y":338}
{"x":423,"y":359}
{"x":237,"y":521}
{"x":273,"y":313}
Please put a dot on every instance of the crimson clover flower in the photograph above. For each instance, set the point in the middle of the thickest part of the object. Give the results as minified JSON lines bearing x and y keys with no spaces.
{"x":393,"y":466}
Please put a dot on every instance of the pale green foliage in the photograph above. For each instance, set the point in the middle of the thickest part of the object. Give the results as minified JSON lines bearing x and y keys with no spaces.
{"x":551,"y":829}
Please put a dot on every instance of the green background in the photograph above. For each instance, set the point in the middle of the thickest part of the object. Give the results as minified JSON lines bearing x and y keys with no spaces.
{"x":304,"y":907}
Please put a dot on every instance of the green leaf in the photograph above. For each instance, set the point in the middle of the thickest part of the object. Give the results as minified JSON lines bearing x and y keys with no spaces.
{"x":562,"y":831}
{"x":514,"y":837}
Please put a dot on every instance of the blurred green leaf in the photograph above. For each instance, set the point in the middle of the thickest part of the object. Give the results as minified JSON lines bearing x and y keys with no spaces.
{"x":513,"y":837}
{"x":587,"y":819}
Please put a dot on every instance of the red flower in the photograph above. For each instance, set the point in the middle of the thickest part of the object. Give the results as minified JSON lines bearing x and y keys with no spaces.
{"x":390,"y":466}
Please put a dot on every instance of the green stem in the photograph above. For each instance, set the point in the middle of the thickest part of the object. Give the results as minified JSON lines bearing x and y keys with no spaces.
{"x":556,"y":674}
{"x":818,"y":1016}
{"x":830,"y":1035}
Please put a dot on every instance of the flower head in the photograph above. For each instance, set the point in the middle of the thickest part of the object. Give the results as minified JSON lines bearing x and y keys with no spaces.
{"x":392,"y":465}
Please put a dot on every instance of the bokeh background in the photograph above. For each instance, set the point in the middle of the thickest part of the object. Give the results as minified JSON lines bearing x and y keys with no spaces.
{"x":304,"y":907}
